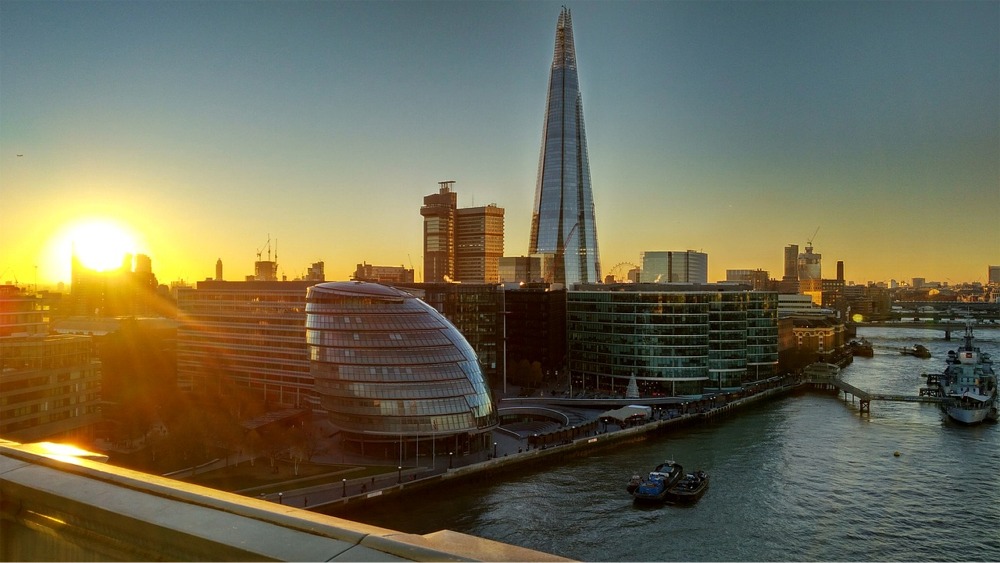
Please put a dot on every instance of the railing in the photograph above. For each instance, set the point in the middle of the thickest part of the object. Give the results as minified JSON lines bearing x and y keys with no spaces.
{"x":60,"y":505}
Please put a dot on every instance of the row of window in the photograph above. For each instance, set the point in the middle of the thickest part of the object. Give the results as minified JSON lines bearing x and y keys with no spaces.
{"x":374,"y":424}
{"x":376,"y":339}
{"x":396,"y":390}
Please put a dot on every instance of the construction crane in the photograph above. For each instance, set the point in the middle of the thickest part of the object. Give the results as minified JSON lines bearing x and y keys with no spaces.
{"x":809,"y":241}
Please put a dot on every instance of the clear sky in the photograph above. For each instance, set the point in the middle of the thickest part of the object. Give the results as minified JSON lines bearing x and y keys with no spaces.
{"x":731,"y":128}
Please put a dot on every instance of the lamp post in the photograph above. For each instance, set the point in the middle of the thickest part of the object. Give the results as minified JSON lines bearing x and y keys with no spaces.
{"x":494,"y":449}
{"x":344,"y":492}
{"x":399,"y":477}
{"x":280,"y":501}
{"x":449,"y":459}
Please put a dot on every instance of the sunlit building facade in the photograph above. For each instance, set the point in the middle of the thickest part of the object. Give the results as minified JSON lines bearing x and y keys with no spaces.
{"x":685,"y":266}
{"x":250,"y":334}
{"x":50,"y":385}
{"x":563,"y":222}
{"x":393,"y":373}
{"x":679,"y":340}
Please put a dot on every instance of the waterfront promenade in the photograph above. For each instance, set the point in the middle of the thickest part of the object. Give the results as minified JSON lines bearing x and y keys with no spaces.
{"x":581,"y":435}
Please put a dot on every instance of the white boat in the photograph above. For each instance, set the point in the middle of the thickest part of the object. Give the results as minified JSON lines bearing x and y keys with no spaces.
{"x":969,"y":384}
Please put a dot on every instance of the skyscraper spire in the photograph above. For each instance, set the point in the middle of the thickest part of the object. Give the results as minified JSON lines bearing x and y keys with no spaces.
{"x":563,"y":222}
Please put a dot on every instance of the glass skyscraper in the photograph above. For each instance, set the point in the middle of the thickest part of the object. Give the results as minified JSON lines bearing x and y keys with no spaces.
{"x":563,"y":221}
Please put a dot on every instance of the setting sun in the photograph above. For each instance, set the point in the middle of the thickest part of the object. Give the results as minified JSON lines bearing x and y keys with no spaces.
{"x":100,"y":244}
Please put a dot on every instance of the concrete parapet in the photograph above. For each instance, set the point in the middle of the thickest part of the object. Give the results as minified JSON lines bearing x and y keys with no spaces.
{"x":62,"y":507}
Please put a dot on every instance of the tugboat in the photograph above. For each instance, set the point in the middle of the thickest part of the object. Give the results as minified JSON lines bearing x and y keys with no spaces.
{"x":918,"y":350}
{"x":969,"y":384}
{"x":689,"y":489}
{"x":654,"y":488}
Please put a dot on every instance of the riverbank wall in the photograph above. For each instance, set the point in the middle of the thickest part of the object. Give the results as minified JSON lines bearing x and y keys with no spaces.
{"x":548,"y":455}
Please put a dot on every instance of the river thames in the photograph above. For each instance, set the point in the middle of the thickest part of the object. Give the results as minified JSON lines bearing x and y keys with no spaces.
{"x":800,"y":478}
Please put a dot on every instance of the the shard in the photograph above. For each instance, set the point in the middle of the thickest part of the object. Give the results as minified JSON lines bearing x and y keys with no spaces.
{"x":563,"y":220}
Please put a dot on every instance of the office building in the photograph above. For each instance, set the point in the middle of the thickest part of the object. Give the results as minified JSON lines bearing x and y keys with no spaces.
{"x":479,"y":244}
{"x":563,"y":221}
{"x":476,"y":310}
{"x":674,"y":267}
{"x":681,"y":340}
{"x":50,"y":384}
{"x":535,"y":334}
{"x":393,"y":374}
{"x":993,"y":275}
{"x":383,"y":274}
{"x":250,"y":334}
{"x":440,"y":212}
{"x":759,"y":280}
{"x":537,"y":268}
{"x":461,"y":244}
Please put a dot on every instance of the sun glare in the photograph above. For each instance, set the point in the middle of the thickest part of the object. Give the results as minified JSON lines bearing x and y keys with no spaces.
{"x":100,"y":244}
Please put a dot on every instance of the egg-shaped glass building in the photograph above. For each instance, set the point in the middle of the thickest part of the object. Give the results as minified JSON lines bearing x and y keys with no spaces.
{"x":393,"y":372}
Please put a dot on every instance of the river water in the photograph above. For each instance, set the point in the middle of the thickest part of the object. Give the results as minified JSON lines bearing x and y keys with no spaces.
{"x":800,"y":478}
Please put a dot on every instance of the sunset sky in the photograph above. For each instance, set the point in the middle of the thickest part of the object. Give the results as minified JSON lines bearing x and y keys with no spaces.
{"x":733,"y":128}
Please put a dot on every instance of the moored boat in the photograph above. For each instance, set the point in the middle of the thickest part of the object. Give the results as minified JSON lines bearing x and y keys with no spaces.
{"x":917,"y":350}
{"x":654,"y":487}
{"x":689,"y":489}
{"x":862,"y":348}
{"x":969,"y":384}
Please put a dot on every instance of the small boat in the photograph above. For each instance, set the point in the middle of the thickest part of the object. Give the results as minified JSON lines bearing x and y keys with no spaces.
{"x":654,"y":487}
{"x":690,"y":488}
{"x":862,"y":348}
{"x":918,"y":350}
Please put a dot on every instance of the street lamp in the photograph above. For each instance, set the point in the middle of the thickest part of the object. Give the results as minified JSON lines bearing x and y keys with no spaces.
{"x":344,"y":493}
{"x":494,"y":449}
{"x":449,"y":459}
{"x":279,"y":499}
{"x":399,"y":477}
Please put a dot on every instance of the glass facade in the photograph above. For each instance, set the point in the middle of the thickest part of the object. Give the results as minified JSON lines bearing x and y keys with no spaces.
{"x":674,"y":342}
{"x":387,"y":365}
{"x":563,"y":222}
{"x":250,"y":333}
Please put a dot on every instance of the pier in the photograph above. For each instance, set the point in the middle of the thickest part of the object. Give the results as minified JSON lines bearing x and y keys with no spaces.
{"x":865,"y":398}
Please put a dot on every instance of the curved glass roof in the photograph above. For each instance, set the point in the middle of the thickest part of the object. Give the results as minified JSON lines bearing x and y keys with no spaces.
{"x":386,"y":363}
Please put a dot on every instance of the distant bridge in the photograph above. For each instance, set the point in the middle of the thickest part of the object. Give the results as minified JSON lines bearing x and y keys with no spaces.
{"x":947,"y":326}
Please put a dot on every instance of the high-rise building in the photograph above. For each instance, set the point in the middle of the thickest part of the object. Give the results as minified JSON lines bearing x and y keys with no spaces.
{"x":218,"y":270}
{"x":563,"y":222}
{"x":674,"y":267}
{"x":994,"y":274}
{"x":790,"y":279}
{"x":479,"y":244}
{"x":461,"y":244}
{"x":810,"y":265}
{"x":440,"y":212}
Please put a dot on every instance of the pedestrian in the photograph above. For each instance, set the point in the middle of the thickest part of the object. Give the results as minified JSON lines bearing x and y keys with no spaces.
{"x":305,"y":501}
